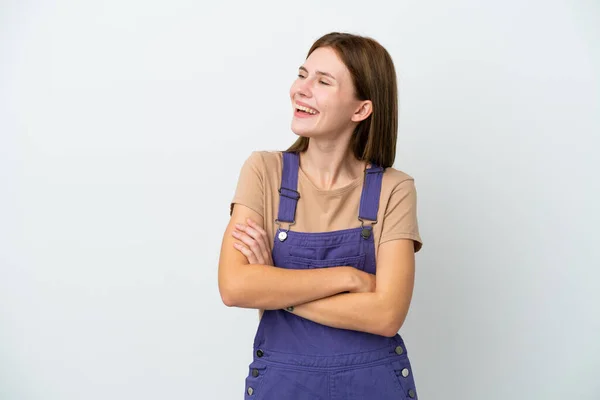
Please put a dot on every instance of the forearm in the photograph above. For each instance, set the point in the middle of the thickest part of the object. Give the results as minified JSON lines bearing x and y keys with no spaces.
{"x":268,"y":287}
{"x":365,"y":312}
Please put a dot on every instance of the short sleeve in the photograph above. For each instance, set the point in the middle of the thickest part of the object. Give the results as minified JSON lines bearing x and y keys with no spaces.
{"x":400,"y":219}
{"x":250,"y":185}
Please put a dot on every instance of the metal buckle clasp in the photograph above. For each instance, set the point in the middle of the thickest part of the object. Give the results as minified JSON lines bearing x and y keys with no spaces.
{"x":283,"y":234}
{"x":366,"y":232}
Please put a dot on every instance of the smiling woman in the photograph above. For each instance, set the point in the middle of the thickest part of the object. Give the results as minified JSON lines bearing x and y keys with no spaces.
{"x":322,"y":236}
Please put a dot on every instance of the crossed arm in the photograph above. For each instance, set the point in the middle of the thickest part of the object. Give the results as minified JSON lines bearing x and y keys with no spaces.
{"x":340,"y":297}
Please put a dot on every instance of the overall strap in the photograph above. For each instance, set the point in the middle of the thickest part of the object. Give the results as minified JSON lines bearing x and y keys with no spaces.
{"x":369,"y":200}
{"x":288,"y":194}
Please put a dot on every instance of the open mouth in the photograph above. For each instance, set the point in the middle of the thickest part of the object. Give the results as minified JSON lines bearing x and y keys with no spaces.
{"x":305,"y":110}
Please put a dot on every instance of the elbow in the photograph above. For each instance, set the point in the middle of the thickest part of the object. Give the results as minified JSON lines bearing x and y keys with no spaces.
{"x":228,"y":294}
{"x":389,"y":330}
{"x":391,"y":323}
{"x":228,"y":300}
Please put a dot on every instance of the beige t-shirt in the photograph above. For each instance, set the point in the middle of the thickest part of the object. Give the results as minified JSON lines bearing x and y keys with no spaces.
{"x":328,"y":210}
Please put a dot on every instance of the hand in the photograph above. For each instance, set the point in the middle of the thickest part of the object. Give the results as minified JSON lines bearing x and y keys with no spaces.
{"x":254,"y":243}
{"x":365,"y":282}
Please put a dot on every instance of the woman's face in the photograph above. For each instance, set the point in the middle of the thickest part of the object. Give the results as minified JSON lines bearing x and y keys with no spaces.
{"x":323,"y":99}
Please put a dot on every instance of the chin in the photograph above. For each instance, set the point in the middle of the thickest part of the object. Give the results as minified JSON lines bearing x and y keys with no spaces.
{"x":302,"y":134}
{"x":303,"y":131}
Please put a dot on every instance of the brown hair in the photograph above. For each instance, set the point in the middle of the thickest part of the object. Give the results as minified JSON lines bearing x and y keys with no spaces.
{"x":374,"y":78}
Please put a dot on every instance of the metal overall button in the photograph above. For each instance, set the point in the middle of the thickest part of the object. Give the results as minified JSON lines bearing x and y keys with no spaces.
{"x":283,"y":234}
{"x":366,"y":232}
{"x":259,"y":353}
{"x":399,"y":350}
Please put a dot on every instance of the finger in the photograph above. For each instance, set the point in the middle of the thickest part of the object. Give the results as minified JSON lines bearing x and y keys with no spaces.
{"x":249,"y":230}
{"x":264,"y":242}
{"x":251,"y":244}
{"x":257,"y":227}
{"x":260,"y":230}
{"x":258,"y":237}
{"x":246,"y":252}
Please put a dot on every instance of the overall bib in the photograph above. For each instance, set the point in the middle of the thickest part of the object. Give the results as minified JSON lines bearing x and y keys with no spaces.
{"x":297,"y":359}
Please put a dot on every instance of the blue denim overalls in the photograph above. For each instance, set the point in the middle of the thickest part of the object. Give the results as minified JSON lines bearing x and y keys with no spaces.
{"x":297,"y":359}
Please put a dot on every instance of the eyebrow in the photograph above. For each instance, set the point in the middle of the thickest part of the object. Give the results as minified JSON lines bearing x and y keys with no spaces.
{"x":319,"y":73}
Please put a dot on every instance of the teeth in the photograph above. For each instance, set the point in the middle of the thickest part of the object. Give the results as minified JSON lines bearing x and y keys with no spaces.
{"x":308,"y":110}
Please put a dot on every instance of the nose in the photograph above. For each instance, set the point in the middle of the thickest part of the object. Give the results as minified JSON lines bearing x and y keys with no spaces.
{"x":303,"y":88}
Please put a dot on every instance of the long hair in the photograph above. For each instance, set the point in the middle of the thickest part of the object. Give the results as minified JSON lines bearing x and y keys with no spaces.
{"x":374,"y":78}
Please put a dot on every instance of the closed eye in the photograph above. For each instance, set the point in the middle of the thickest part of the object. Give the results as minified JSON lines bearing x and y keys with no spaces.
{"x":321,"y":82}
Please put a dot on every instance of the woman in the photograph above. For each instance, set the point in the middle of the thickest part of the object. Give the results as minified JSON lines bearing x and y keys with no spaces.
{"x":310,"y":227}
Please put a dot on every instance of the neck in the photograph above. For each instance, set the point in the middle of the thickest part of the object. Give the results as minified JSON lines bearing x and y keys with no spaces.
{"x":330,"y":164}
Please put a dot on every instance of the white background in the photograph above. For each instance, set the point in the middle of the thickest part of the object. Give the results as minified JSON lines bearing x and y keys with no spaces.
{"x":123,"y":126}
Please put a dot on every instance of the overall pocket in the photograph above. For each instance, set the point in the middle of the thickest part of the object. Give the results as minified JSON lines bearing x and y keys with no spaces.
{"x":255,"y":380}
{"x":294,"y":262}
{"x":402,"y":374}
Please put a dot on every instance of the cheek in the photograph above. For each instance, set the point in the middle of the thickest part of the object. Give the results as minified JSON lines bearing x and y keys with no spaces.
{"x":333,"y":106}
{"x":337,"y":112}
{"x":346,"y":108}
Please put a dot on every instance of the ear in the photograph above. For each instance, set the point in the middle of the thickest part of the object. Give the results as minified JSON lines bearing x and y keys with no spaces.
{"x":365,"y":108}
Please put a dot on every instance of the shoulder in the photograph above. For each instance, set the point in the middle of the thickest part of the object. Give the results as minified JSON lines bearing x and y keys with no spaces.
{"x":265,"y":159}
{"x":398,"y":190}
{"x":266,"y":166}
{"x":395,"y":179}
